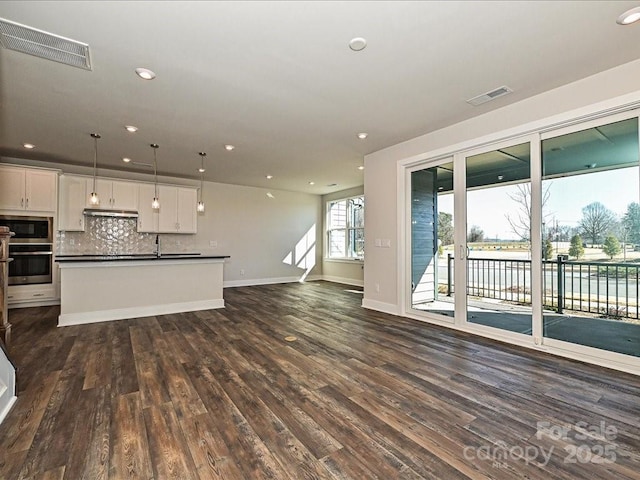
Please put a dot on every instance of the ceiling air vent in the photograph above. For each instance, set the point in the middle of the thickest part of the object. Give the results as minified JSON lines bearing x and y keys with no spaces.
{"x":21,"y":38}
{"x":485,"y":97}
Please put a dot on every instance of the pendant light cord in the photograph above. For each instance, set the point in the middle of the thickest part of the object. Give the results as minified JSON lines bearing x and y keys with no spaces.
{"x":95,"y":136}
{"x":155,"y":168}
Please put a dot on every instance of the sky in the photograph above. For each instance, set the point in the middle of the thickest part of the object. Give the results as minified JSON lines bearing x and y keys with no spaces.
{"x":487,"y":208}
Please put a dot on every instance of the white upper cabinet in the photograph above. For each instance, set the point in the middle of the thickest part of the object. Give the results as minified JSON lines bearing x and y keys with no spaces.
{"x":187,"y":213}
{"x":27,"y":189}
{"x":177,"y":209}
{"x":147,"y":216}
{"x":73,"y":197}
{"x":113,"y":194}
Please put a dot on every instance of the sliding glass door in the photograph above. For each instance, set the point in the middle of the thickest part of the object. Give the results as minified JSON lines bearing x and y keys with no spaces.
{"x":536,"y":239}
{"x":498,"y":238}
{"x":591,"y":237}
{"x":432,"y":240}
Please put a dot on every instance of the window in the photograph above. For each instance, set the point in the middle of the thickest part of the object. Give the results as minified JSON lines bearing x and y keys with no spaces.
{"x":345,"y":228}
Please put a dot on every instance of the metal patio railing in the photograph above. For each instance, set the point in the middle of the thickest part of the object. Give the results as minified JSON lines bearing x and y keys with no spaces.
{"x":604,"y":289}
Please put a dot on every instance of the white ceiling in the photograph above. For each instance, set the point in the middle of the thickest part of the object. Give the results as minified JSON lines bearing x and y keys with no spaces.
{"x":278,"y":81}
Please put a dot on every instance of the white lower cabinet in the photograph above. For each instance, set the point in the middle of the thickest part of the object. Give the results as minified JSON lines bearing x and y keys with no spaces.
{"x":25,"y":294}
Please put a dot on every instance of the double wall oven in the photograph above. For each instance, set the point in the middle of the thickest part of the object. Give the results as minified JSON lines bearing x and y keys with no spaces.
{"x":31,"y":249}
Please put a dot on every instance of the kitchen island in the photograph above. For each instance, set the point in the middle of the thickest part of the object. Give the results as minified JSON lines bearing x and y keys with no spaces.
{"x":97,"y":288}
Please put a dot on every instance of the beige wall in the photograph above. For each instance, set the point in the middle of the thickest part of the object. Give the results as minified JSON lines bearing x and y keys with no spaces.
{"x":348,"y":272}
{"x":605,"y":90}
{"x":268,"y":239}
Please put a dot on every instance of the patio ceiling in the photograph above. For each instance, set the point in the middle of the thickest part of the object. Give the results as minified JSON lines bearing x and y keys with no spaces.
{"x":602,"y":148}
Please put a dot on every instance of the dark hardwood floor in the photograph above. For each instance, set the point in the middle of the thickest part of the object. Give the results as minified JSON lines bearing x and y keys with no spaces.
{"x":226,"y":394}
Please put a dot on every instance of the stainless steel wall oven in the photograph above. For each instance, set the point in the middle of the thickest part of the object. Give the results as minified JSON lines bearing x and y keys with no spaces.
{"x":31,"y":249}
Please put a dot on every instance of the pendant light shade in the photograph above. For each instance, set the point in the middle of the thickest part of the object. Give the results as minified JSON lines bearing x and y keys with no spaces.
{"x":200,"y":207}
{"x":93,"y":198}
{"x":155,"y":204}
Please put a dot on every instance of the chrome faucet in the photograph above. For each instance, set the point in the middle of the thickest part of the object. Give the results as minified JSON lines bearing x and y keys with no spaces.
{"x":157,"y":245}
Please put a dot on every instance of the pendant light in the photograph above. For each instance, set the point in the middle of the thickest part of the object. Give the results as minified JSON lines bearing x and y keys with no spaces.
{"x":156,"y":200}
{"x":93,"y":198}
{"x":200,"y":207}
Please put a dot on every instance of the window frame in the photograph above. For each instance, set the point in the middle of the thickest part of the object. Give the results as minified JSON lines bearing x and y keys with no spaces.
{"x":349,"y":230}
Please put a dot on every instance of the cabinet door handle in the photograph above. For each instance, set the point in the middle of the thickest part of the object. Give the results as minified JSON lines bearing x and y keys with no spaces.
{"x":38,"y":294}
{"x":22,"y":202}
{"x":27,"y":203}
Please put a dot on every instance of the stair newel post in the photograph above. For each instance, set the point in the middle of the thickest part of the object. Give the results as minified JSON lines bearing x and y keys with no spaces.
{"x":5,"y":326}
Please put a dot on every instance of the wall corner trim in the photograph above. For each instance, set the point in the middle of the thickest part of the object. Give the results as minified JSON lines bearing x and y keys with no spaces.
{"x":389,"y":308}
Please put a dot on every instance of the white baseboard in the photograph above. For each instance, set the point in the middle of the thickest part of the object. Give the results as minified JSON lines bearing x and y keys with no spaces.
{"x":381,"y":306}
{"x":135,"y":312}
{"x":266,"y":281}
{"x":7,"y":408}
{"x":311,"y":278}
{"x":344,"y":281}
{"x":259,"y":281}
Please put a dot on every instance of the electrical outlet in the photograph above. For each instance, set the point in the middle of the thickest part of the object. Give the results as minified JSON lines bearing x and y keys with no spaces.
{"x":377,"y":288}
{"x":242,"y":271}
{"x":178,"y":243}
{"x":213,"y":244}
{"x":72,"y":241}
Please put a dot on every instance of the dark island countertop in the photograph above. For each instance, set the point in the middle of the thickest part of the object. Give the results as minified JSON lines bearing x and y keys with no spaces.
{"x":136,"y":256}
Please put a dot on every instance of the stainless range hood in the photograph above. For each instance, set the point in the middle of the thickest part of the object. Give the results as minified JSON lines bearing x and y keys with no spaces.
{"x":98,"y":212}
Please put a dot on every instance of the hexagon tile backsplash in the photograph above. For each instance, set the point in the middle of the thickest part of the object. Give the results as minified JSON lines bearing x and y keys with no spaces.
{"x":117,"y":236}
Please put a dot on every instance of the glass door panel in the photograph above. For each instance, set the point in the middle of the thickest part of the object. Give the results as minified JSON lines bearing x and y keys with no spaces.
{"x":432,"y":288}
{"x":591,"y":237}
{"x":498,"y":257}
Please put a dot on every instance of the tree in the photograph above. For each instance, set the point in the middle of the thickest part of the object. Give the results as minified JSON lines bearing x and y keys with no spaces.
{"x":576,"y":249}
{"x":631,"y":223}
{"x":520,"y":223}
{"x":547,"y":249}
{"x":564,"y":233}
{"x":445,"y":228}
{"x":475,"y":234}
{"x":596,"y":221}
{"x":611,"y":246}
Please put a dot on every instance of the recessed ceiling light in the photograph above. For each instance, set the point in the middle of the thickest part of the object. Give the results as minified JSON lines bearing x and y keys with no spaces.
{"x":312,"y":183}
{"x":126,"y":159}
{"x":202,"y":170}
{"x":500,"y":177}
{"x":131,"y":128}
{"x":439,"y":189}
{"x":269,"y":177}
{"x":358,"y":43}
{"x":28,"y":145}
{"x":629,"y":17}
{"x":270,"y":195}
{"x":361,"y":167}
{"x":145,"y":73}
{"x":363,"y":135}
{"x":229,"y":147}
